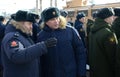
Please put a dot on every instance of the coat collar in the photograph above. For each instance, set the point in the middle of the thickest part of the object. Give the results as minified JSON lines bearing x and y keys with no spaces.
{"x":116,"y":21}
{"x":11,"y":28}
{"x":23,"y":34}
{"x":48,"y":29}
{"x":100,"y":24}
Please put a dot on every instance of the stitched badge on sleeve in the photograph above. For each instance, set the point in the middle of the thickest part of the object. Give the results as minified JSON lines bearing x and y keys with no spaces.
{"x":14,"y":44}
{"x":81,"y":30}
{"x":112,"y":40}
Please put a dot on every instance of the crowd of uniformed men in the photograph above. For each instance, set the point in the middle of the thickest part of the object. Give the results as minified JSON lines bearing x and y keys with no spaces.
{"x":50,"y":46}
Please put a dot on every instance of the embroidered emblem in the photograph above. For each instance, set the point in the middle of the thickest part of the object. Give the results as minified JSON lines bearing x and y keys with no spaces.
{"x":81,"y":30}
{"x":112,"y":40}
{"x":14,"y":44}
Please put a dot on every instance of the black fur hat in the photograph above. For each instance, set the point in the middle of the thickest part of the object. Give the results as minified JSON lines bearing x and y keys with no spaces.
{"x":105,"y":13}
{"x":50,"y":13}
{"x":13,"y":16}
{"x":21,"y":15}
{"x":63,"y":13}
{"x":117,"y":11}
{"x":2,"y":18}
{"x":37,"y":16}
{"x":94,"y":14}
{"x":24,"y":16}
{"x":80,"y":15}
{"x":31,"y":17}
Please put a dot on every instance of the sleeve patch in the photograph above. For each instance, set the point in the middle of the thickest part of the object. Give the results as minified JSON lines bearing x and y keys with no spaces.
{"x":112,"y":39}
{"x":81,"y":30}
{"x":14,"y":44}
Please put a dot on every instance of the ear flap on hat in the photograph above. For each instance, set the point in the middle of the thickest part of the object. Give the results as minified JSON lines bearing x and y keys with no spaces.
{"x":31,"y":17}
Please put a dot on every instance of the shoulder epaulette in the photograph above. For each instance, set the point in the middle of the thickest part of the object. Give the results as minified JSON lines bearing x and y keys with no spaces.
{"x":16,"y":35}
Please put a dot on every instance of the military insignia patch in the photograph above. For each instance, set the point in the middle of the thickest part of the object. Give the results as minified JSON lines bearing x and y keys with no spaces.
{"x":81,"y":30}
{"x":53,"y":13}
{"x":14,"y":44}
{"x":112,"y":39}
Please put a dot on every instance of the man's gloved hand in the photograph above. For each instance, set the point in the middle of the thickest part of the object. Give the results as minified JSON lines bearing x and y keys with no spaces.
{"x":51,"y":42}
{"x":83,"y":76}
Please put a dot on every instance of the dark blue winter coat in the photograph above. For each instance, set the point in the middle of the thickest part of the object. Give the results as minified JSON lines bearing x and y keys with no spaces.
{"x":79,"y":26}
{"x":19,"y":55}
{"x":67,"y":58}
{"x":2,"y":29}
{"x":35,"y":31}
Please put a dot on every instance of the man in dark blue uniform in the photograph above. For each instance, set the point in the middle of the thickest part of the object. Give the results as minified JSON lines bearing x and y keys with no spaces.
{"x":68,"y":57}
{"x":19,"y":53}
{"x":35,"y":28}
{"x":2,"y":29}
{"x":79,"y":25}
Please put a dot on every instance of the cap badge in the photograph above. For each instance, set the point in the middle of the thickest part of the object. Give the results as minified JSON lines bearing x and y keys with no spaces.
{"x":54,"y":13}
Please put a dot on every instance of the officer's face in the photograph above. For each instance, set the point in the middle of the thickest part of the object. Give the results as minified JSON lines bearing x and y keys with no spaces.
{"x":114,"y":17}
{"x":82,"y":20}
{"x":53,"y":23}
{"x":109,"y":20}
{"x":28,"y":27}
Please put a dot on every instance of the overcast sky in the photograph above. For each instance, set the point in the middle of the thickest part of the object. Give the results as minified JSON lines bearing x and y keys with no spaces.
{"x":12,"y":6}
{"x":103,"y":1}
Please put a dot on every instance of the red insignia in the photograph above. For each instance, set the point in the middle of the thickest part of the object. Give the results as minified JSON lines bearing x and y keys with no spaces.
{"x":14,"y":44}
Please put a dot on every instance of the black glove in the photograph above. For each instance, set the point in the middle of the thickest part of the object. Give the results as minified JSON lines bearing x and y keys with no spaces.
{"x":50,"y":42}
{"x":83,"y":76}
